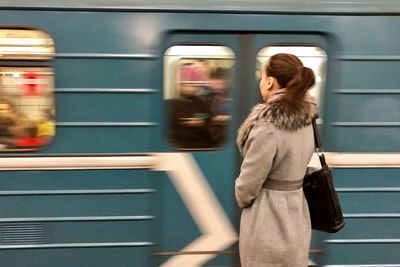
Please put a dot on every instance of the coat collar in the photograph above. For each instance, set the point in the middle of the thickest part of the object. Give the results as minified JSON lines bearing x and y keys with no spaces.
{"x":280,"y":114}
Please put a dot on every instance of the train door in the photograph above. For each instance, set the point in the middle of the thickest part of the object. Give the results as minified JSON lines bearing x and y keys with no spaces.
{"x":197,"y":212}
{"x":198,"y":216}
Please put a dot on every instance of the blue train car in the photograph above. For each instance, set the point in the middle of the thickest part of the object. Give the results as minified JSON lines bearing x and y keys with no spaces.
{"x":93,"y":171}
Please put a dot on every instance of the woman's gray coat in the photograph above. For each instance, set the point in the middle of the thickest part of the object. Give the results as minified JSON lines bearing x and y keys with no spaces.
{"x":275,"y":228}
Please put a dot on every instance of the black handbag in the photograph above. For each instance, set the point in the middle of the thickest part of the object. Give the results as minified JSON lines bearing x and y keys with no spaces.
{"x":323,"y":203}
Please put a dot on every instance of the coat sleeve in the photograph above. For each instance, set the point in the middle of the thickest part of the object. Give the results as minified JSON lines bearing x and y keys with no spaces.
{"x":261,"y":147}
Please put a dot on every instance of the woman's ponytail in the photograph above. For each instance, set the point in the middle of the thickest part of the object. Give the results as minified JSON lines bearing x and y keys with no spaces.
{"x":298,"y":87}
{"x":290,"y":73}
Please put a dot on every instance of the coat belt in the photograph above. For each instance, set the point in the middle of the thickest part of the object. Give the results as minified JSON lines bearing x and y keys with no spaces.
{"x":282,"y":185}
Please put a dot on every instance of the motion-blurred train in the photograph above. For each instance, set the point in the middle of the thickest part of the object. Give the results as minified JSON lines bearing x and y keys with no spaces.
{"x":105,"y":161}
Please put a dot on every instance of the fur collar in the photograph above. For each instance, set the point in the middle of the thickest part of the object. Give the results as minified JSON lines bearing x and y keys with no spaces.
{"x":278,"y":113}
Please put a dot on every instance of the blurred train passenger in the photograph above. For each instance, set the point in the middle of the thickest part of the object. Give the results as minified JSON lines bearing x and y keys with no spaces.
{"x":47,"y":127}
{"x":277,"y":143}
{"x":7,"y":123}
{"x":220,"y":103}
{"x":26,"y":136}
{"x":17,"y":130}
{"x":202,"y":77}
{"x":189,"y":115}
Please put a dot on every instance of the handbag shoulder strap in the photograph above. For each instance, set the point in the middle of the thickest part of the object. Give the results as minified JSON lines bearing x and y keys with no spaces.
{"x":317,"y":139}
{"x":318,"y":144}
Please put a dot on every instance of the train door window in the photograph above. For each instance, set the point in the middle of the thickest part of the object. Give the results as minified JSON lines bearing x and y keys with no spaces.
{"x":197,"y":82}
{"x":26,"y":90}
{"x":312,"y":57}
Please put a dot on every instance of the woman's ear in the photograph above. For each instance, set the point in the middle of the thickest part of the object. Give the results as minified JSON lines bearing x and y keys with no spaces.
{"x":270,"y":83}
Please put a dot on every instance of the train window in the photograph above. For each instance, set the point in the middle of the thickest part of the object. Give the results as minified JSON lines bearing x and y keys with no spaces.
{"x":26,"y":90}
{"x":197,"y":83}
{"x":312,"y":57}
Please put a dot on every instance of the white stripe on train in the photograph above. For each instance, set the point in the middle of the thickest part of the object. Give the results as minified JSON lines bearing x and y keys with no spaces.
{"x":149,"y":161}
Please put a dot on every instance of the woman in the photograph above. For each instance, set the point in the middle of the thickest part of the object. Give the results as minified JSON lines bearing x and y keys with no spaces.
{"x":277,"y":143}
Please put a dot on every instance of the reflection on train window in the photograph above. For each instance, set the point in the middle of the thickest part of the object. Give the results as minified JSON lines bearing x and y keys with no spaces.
{"x":27,"y":112}
{"x":197,"y":81}
{"x":312,"y":57}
